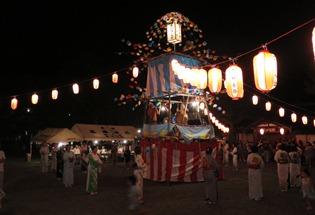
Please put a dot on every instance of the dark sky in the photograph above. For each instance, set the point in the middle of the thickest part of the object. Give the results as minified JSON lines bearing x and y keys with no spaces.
{"x":45,"y":45}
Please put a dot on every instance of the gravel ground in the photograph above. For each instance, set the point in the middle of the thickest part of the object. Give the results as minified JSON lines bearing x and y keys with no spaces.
{"x":31,"y":193}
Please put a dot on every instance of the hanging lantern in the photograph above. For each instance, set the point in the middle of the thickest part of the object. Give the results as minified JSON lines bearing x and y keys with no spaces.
{"x":96,"y":83}
{"x":281,"y":112}
{"x":282,"y":131}
{"x":14,"y":103}
{"x":314,"y":122}
{"x":255,"y":100}
{"x":174,"y":32}
{"x":135,"y":72}
{"x":115,"y":78}
{"x":75,"y":88}
{"x":313,"y":40}
{"x":265,"y":71}
{"x":34,"y":99}
{"x":268,"y":106}
{"x":202,"y":79}
{"x":54,"y":94}
{"x":293,"y":117}
{"x":234,"y":82}
{"x":215,"y":80}
{"x":261,"y":131}
{"x":205,"y":111}
{"x":304,"y":120}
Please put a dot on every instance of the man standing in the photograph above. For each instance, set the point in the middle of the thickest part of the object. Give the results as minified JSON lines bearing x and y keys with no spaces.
{"x":44,"y":150}
{"x":210,"y":174}
{"x":235,"y":157}
{"x":282,"y":159}
{"x":255,"y":163}
{"x":68,"y":159}
{"x":217,"y":154}
{"x":226,"y":153}
{"x":294,"y":167}
{"x":2,"y":159}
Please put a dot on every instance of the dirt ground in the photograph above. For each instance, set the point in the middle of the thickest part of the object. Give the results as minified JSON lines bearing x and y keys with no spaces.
{"x":31,"y":193}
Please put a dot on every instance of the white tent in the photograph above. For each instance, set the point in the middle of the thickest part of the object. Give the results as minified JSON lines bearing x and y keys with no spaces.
{"x":92,"y":132}
{"x":56,"y":135}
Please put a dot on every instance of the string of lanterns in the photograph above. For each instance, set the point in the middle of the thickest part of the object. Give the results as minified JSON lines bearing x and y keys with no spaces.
{"x":282,"y":111}
{"x":264,"y":64}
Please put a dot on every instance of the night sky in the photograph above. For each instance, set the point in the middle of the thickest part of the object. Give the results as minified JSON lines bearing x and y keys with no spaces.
{"x":46,"y":45}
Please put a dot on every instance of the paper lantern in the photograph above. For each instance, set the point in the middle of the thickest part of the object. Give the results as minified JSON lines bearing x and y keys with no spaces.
{"x":304,"y":120}
{"x":14,"y":103}
{"x":314,"y":122}
{"x":313,"y":40}
{"x":268,"y":106}
{"x":96,"y":83}
{"x":115,"y":78}
{"x":281,"y":112}
{"x":54,"y":94}
{"x":262,"y":131}
{"x":202,"y":79}
{"x":34,"y":99}
{"x":227,"y":130}
{"x":75,"y":88}
{"x":293,"y":117}
{"x":174,"y":32}
{"x":265,"y":71}
{"x":205,"y":111}
{"x":135,"y":72}
{"x":281,"y":131}
{"x":234,"y":82}
{"x":255,"y":100}
{"x":215,"y":80}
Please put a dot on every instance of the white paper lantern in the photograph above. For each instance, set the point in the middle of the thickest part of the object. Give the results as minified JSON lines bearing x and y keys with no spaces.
{"x":255,"y":100}
{"x":281,"y":112}
{"x":304,"y":120}
{"x":313,"y":40}
{"x":314,"y":122}
{"x":205,"y":111}
{"x":96,"y":84}
{"x":135,"y":72}
{"x":34,"y":99}
{"x":268,"y":106}
{"x":115,"y":78}
{"x":14,"y":103}
{"x":75,"y":88}
{"x":234,"y":82}
{"x":215,"y":80}
{"x":262,"y":131}
{"x":54,"y":94}
{"x":281,"y":131}
{"x":293,"y":117}
{"x":174,"y":32}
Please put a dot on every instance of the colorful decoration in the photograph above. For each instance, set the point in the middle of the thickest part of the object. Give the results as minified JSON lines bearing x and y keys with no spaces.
{"x":265,"y":71}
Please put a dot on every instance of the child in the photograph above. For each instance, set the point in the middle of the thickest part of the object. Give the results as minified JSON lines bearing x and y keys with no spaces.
{"x":133,"y":193}
{"x":138,"y":173}
{"x":307,"y":188}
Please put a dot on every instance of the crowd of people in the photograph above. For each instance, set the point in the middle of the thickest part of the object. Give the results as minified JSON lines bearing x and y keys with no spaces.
{"x":294,"y":161}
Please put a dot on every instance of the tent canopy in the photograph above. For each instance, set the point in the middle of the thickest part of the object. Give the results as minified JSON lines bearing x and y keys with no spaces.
{"x":91,"y":132}
{"x":56,"y":135}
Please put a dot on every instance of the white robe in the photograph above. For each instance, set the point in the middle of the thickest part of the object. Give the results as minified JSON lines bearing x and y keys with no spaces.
{"x":234,"y":154}
{"x":68,"y":168}
{"x":282,"y":159}
{"x":255,"y":164}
